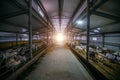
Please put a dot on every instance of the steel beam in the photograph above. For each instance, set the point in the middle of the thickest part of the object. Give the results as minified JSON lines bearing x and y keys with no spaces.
{"x":38,"y":29}
{"x":83,"y":13}
{"x":64,"y":17}
{"x":17,"y":39}
{"x":39,"y":20}
{"x":103,"y":40}
{"x":13,"y":24}
{"x":88,"y":28}
{"x":80,"y":29}
{"x":93,"y":9}
{"x":98,"y":27}
{"x":60,"y":9}
{"x":75,"y":12}
{"x":109,"y":16}
{"x":42,"y":7}
{"x":30,"y":28}
{"x":13,"y":14}
{"x":17,"y":4}
{"x":99,"y":4}
{"x":13,"y":31}
{"x":114,"y":32}
{"x":26,"y":2}
{"x":105,"y":25}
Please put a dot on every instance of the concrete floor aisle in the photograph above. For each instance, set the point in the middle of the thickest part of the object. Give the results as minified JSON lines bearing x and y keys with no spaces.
{"x":59,"y":64}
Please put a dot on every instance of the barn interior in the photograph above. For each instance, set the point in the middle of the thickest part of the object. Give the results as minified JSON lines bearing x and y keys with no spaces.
{"x":89,"y":28}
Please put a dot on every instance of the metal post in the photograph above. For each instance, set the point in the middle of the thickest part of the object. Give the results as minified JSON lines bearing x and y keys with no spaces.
{"x":30,"y":27}
{"x":67,"y":36}
{"x":51,"y":37}
{"x":88,"y":28}
{"x":103,"y":40}
{"x":47,"y":38}
{"x":79,"y":39}
{"x":73,"y":40}
{"x":16,"y":39}
{"x":21,"y":40}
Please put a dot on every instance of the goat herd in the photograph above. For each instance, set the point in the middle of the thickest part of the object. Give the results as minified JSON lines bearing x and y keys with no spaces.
{"x":12,"y":59}
{"x":100,"y":54}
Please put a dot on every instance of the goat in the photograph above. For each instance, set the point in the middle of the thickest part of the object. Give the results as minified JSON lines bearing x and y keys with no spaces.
{"x":110,"y":57}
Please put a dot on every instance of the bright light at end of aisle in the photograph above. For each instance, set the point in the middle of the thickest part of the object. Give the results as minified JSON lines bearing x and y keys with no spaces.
{"x":60,"y":37}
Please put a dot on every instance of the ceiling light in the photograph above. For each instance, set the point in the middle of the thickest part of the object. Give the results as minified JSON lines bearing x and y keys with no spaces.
{"x":98,"y":28}
{"x":40,"y":12}
{"x":37,"y":32}
{"x":60,"y":37}
{"x":24,"y":30}
{"x":79,"y":22}
{"x":94,"y":38}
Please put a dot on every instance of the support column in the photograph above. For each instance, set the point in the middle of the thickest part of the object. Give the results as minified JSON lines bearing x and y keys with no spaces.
{"x":103,"y":40}
{"x":47,"y":38}
{"x":30,"y":28}
{"x":79,"y":39}
{"x":66,"y":34}
{"x":52,"y":36}
{"x":88,"y":28}
{"x":21,"y":42}
{"x":47,"y":31}
{"x":16,"y":39}
{"x":73,"y":40}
